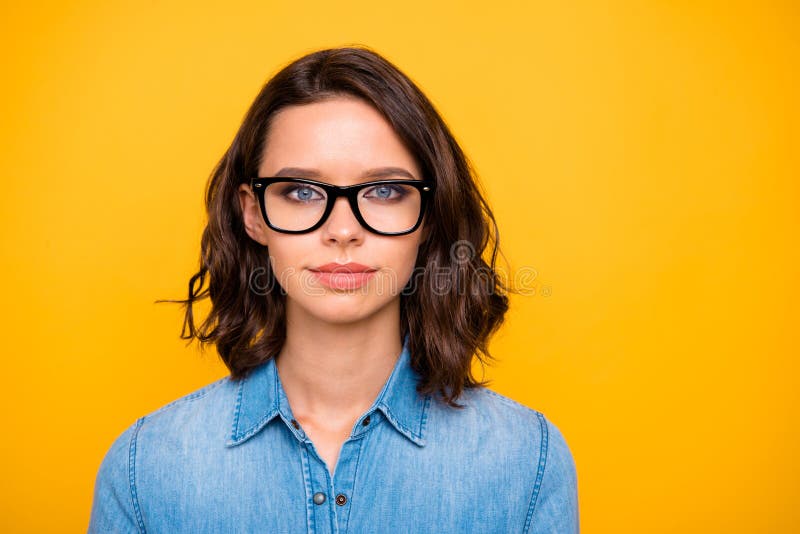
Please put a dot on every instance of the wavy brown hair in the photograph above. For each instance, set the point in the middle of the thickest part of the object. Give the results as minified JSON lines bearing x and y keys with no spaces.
{"x":455,"y":299}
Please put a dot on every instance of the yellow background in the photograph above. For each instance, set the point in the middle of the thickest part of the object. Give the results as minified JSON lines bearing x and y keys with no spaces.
{"x":641,"y":157}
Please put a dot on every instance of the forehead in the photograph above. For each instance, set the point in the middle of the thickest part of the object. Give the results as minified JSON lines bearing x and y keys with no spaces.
{"x":338,"y":137}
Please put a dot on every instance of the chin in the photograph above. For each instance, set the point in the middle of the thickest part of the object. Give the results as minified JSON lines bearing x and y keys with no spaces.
{"x":341,"y":307}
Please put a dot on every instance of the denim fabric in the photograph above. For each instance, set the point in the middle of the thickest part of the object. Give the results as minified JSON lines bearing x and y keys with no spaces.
{"x":228,"y":458}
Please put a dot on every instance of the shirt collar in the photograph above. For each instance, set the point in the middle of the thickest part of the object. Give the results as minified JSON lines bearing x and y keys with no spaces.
{"x":260,"y":398}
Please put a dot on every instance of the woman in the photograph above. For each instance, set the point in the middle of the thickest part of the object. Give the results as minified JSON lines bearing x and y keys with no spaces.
{"x":343,"y":257}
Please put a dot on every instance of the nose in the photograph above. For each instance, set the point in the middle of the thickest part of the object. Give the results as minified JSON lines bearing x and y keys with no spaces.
{"x":342,"y":226}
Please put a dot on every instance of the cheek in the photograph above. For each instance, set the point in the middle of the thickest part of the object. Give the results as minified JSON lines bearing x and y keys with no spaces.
{"x":407,"y":261}
{"x":398,"y":266}
{"x":287,"y":259}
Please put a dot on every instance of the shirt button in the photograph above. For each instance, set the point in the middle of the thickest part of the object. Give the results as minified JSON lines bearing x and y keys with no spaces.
{"x":365,"y":422}
{"x":295,"y":424}
{"x":319,"y":498}
{"x":341,"y":499}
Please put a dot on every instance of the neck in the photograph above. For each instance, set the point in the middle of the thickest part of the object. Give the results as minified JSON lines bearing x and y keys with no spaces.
{"x":332,"y":373}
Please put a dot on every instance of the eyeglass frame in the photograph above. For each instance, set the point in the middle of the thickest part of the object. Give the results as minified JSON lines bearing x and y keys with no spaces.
{"x":259,"y":185}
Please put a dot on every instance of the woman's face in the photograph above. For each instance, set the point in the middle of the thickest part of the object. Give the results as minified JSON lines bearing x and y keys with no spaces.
{"x":341,"y":141}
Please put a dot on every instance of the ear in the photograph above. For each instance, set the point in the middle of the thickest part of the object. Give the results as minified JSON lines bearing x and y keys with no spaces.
{"x":254,"y":223}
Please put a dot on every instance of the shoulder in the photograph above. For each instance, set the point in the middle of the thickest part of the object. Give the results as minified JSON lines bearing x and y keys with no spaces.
{"x":116,"y":504}
{"x":116,"y":501}
{"x":492,"y":409}
{"x":218,"y":391}
{"x":553,"y":504}
{"x":202,"y":407}
{"x":553,"y":447}
{"x":487,"y":402}
{"x":537,"y":423}
{"x":511,"y":428}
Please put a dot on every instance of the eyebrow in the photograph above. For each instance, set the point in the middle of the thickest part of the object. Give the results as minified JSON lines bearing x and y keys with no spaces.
{"x":379,"y":172}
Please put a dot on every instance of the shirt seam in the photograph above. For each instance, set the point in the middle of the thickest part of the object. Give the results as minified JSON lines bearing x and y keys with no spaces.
{"x":355,"y":481}
{"x":543,"y":450}
{"x":510,"y":402}
{"x":132,"y":476}
{"x":415,"y":436}
{"x":403,"y":429}
{"x":236,"y":410}
{"x":239,"y":434}
{"x":304,"y":462}
{"x":328,"y":487}
{"x":424,"y":417}
{"x":202,"y":392}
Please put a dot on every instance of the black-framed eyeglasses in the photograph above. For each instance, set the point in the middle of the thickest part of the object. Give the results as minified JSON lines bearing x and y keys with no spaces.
{"x":301,"y":205}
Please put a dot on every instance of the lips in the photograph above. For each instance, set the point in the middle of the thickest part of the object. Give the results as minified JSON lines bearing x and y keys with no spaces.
{"x":343,"y":268}
{"x":343,"y":275}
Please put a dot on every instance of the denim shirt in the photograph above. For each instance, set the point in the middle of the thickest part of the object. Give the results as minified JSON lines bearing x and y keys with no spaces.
{"x":230,"y":457}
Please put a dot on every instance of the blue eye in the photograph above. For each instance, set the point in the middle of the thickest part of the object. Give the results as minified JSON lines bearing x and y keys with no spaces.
{"x":386,"y":192}
{"x":303,"y":193}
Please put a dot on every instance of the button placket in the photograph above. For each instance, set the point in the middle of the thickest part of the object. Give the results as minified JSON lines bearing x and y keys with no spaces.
{"x":344,"y":484}
{"x":318,"y":487}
